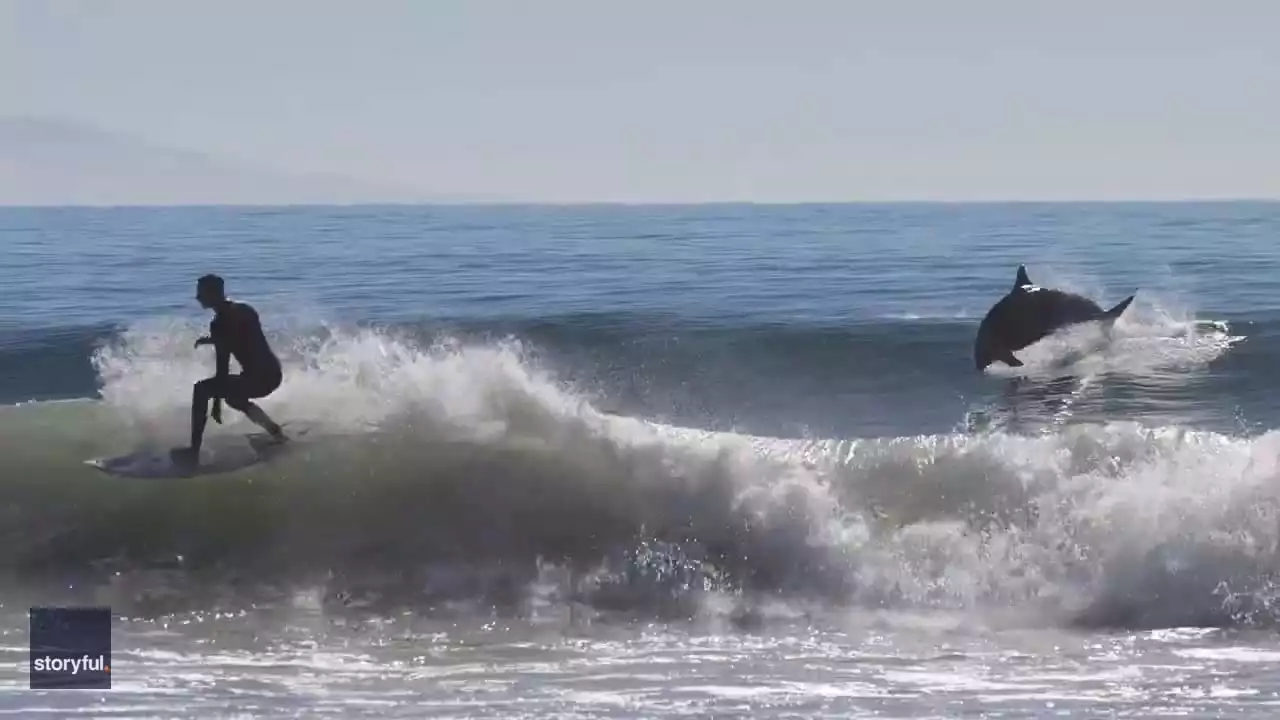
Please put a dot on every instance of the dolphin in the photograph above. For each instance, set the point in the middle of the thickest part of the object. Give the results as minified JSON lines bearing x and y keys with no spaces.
{"x":1029,"y":313}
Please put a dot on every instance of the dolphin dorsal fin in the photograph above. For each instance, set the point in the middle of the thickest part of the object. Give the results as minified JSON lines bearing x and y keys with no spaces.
{"x":1022,"y":280}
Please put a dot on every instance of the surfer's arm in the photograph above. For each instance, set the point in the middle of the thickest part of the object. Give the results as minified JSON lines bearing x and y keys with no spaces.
{"x":211,"y":338}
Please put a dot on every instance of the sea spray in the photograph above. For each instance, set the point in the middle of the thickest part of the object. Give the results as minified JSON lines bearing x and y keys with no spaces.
{"x":466,"y":471}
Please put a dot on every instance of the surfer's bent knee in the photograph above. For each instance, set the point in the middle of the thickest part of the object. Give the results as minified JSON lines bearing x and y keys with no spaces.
{"x":205,"y":388}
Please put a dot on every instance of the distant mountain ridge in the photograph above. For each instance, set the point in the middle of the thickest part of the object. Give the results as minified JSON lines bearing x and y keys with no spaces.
{"x":45,"y":161}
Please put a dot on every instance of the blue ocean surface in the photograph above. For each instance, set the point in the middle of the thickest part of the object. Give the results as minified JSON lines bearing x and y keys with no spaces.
{"x":632,"y":434}
{"x":773,"y":319}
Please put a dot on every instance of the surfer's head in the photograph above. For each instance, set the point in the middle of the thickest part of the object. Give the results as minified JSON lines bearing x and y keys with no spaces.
{"x":210,"y":290}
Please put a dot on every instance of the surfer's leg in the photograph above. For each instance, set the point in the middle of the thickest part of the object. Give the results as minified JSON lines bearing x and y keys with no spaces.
{"x":238,"y":396}
{"x":256,"y":414}
{"x":201,"y":394}
{"x":260,"y":417}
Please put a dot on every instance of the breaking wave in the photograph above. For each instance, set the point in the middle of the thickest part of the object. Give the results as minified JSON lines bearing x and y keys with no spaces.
{"x":448,"y":475}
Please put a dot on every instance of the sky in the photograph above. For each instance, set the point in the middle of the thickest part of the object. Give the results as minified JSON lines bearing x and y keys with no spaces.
{"x":681,"y":101}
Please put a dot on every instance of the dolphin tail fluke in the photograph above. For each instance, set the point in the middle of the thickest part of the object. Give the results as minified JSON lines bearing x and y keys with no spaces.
{"x":1114,"y":313}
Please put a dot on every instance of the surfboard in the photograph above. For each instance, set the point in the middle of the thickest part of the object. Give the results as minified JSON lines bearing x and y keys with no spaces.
{"x":219,"y":454}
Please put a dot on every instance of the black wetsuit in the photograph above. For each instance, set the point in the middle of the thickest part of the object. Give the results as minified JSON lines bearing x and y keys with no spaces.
{"x":235,"y":332}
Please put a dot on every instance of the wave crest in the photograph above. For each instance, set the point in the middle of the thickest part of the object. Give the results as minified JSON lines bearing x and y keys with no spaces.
{"x":456,"y":472}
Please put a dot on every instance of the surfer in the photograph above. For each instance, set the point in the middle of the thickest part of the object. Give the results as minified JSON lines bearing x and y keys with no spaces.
{"x":234,"y":332}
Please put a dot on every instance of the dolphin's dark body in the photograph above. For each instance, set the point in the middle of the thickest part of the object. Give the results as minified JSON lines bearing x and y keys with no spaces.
{"x":1029,"y":313}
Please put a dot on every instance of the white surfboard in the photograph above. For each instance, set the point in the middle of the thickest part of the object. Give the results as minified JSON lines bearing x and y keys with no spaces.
{"x":218,"y":454}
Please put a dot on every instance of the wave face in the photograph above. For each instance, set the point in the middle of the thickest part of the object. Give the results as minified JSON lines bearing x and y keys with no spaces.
{"x":462,"y":470}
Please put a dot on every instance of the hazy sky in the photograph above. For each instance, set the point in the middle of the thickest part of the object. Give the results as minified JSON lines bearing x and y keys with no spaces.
{"x":682,"y":100}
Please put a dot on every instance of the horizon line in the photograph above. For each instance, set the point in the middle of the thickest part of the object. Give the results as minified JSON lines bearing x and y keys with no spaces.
{"x":633,"y":203}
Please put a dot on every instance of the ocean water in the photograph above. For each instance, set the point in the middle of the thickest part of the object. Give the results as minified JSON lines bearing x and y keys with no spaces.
{"x":639,"y":462}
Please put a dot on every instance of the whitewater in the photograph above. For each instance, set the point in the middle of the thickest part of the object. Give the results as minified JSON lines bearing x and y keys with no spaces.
{"x":484,"y":522}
